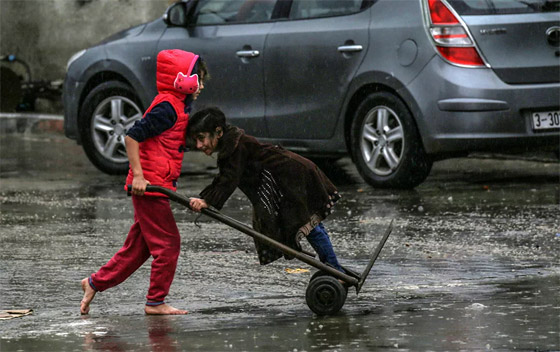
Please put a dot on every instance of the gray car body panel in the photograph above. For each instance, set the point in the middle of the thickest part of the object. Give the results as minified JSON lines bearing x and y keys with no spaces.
{"x":530,"y":58}
{"x":74,"y":83}
{"x":237,"y":82}
{"x":305,"y":85}
{"x":478,"y":128}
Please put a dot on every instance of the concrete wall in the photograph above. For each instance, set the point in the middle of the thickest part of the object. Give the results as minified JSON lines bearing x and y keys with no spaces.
{"x":45,"y":33}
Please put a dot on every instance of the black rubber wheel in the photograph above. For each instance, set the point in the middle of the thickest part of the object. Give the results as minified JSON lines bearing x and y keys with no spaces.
{"x":325,"y":295}
{"x":108,"y":111}
{"x":386,"y":145}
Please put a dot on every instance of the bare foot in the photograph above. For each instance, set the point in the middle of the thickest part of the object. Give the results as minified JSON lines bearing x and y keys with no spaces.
{"x":163,"y":309}
{"x":89,"y":293}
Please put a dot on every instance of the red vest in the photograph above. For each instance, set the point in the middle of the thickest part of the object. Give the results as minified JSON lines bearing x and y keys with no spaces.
{"x":161,"y":156}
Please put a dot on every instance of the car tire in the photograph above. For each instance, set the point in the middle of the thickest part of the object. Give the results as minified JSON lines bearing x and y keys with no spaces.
{"x":108,"y":111}
{"x":386,"y":145}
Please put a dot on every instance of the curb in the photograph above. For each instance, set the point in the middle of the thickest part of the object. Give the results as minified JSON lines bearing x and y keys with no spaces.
{"x":30,"y":122}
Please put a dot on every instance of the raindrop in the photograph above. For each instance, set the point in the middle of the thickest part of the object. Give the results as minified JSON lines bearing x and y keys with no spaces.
{"x":476,"y":306}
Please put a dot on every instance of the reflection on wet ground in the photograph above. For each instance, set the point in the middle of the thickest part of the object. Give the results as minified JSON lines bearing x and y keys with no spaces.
{"x":471,"y":265}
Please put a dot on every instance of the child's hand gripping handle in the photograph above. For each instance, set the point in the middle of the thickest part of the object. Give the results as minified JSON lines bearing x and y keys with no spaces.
{"x":169,"y":193}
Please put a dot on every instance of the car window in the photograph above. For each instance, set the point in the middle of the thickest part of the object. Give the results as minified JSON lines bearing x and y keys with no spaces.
{"x":211,"y":12}
{"x":503,"y":7}
{"x":322,"y":8}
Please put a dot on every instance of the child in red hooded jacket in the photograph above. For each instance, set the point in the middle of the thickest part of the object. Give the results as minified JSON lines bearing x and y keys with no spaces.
{"x":155,"y":147}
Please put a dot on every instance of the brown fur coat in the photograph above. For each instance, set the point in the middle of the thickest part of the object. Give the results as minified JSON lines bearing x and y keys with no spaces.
{"x":290,"y":194}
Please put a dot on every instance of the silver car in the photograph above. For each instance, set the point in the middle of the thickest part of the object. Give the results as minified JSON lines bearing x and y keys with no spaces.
{"x":395,"y":84}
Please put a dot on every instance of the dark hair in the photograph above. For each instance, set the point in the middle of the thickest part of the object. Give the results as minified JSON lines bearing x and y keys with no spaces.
{"x":206,"y":120}
{"x":202,"y":69}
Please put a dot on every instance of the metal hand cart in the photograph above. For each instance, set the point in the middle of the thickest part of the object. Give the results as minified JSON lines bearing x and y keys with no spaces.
{"x":327,"y":290}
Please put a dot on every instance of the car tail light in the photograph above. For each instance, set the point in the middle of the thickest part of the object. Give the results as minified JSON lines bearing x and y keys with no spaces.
{"x":451,"y":37}
{"x":462,"y":56}
{"x":440,"y":13}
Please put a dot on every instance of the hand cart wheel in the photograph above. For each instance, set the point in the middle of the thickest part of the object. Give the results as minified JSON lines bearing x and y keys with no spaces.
{"x":325,"y":295}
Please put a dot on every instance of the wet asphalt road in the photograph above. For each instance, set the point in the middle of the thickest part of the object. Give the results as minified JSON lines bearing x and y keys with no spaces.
{"x":472,"y":264}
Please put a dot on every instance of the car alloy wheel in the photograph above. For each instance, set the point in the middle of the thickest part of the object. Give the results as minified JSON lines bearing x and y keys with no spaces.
{"x":107,"y":113}
{"x":382,"y":141}
{"x":111,"y":119}
{"x":385,"y":144}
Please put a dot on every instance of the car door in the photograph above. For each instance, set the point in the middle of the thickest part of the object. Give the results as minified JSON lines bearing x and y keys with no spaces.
{"x":309,"y":63}
{"x":229,"y":36}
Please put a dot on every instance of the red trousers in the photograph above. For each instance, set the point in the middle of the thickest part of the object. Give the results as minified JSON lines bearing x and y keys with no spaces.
{"x":154,"y":233}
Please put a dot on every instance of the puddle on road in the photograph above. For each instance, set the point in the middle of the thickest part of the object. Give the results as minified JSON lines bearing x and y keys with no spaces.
{"x":507,"y":319}
{"x":471,"y":265}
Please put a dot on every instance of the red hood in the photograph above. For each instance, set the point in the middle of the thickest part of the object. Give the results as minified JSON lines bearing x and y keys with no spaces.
{"x":169,"y":64}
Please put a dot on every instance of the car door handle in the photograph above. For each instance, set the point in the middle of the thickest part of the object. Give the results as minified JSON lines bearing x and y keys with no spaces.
{"x":350,"y":48}
{"x":248,"y":53}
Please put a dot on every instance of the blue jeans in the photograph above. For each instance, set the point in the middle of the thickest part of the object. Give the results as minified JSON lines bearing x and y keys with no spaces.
{"x":321,"y":243}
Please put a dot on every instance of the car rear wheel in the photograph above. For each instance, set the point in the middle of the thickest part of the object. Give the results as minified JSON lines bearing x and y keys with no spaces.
{"x":109,"y":110}
{"x":386,"y":145}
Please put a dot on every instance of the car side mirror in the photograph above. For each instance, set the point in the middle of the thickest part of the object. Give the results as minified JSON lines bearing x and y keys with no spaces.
{"x":176,"y":14}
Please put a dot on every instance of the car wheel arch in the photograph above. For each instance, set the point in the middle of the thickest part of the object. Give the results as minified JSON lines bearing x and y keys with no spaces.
{"x":360,"y":90}
{"x":109,"y":109}
{"x":357,"y":98}
{"x":377,"y":81}
{"x":100,"y":78}
{"x":385,"y":144}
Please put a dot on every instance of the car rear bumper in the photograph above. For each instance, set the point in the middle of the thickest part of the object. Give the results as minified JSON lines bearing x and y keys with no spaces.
{"x":462,"y":110}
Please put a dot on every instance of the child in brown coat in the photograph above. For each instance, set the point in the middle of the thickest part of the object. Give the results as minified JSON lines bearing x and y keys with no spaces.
{"x":290,"y":194}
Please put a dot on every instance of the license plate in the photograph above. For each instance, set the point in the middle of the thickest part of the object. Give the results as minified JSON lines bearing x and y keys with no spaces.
{"x":545,"y":120}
